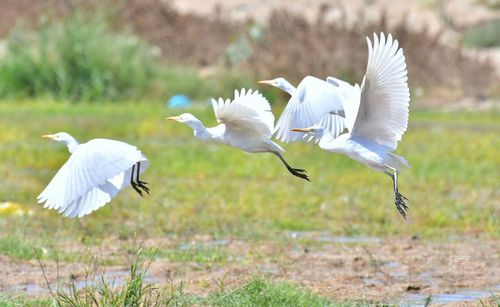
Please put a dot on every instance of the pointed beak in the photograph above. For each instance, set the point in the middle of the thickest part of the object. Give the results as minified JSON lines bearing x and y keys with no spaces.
{"x":176,"y":118}
{"x":48,"y":136}
{"x":303,"y":130}
{"x":270,"y":82}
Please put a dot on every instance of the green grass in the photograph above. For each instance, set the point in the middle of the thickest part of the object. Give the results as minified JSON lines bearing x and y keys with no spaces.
{"x":79,"y":58}
{"x":84,"y":58}
{"x":205,"y":188}
{"x":137,"y":292}
{"x":6,"y":301}
{"x":483,"y":35}
{"x":260,"y":292}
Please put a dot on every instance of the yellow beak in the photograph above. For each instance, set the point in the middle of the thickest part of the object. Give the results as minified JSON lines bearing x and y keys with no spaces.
{"x":48,"y":136}
{"x":270,"y":82}
{"x":304,"y":130}
{"x":176,"y":118}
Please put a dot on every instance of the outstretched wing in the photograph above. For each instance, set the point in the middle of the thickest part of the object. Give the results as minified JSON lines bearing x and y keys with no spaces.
{"x":383,"y":109}
{"x":350,"y":99}
{"x":249,"y":113}
{"x":91,"y":177}
{"x":315,"y":102}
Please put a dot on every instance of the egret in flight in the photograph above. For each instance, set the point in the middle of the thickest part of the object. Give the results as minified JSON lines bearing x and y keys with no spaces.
{"x":313,"y":102}
{"x":94,"y":173}
{"x":377,"y":117}
{"x":246,"y":123}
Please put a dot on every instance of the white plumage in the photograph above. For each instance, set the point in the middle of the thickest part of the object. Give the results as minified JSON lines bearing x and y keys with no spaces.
{"x":246,"y":122}
{"x":313,"y":102}
{"x":376,"y":114}
{"x":95,"y":172}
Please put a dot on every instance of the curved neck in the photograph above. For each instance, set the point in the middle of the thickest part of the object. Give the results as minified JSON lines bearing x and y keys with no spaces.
{"x":325,"y":139}
{"x":72,"y":144}
{"x":200,"y":131}
{"x":287,"y":87}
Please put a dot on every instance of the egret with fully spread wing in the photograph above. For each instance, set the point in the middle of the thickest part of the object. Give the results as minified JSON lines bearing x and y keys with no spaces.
{"x":313,"y":102}
{"x":246,"y":123}
{"x":377,"y":116}
{"x":94,"y":173}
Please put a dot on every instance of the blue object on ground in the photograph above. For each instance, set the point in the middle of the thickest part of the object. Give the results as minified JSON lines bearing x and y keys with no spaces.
{"x":179,"y":101}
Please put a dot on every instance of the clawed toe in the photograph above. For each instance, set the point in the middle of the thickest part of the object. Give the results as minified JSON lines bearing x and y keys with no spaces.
{"x":143,"y":186}
{"x":135,"y":186}
{"x":301,"y":175}
{"x":400,"y":202}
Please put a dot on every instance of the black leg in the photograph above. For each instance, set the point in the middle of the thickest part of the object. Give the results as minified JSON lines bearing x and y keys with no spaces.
{"x":295,"y":171}
{"x":141,"y":184}
{"x":399,"y":199}
{"x":132,"y":183}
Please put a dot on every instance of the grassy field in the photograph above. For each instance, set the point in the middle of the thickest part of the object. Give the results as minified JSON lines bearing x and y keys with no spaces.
{"x":203,"y":189}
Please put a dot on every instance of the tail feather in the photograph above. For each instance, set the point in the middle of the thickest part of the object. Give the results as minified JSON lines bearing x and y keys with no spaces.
{"x":398,"y":162}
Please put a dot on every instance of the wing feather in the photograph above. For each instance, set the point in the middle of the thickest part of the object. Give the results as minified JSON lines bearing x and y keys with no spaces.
{"x":84,"y":183}
{"x":311,"y":104}
{"x":249,"y":111}
{"x":382,"y":115}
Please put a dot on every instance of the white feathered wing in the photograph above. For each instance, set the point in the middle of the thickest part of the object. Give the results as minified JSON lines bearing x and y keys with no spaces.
{"x":248,"y":120}
{"x":382,"y":112}
{"x":92,"y":176}
{"x":312,"y":103}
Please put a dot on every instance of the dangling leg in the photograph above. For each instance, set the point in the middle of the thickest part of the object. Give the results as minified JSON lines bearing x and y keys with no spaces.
{"x":295,"y":171}
{"x":132,"y":183}
{"x":140,"y":183}
{"x":399,"y":199}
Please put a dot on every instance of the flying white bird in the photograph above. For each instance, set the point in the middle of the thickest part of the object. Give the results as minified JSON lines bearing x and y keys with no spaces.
{"x":378,"y":116}
{"x":313,"y":102}
{"x":94,"y":173}
{"x":245,"y":123}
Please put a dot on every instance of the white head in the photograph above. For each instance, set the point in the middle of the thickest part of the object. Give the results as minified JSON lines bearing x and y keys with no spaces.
{"x":280,"y":83}
{"x":59,"y":137}
{"x":315,"y":131}
{"x":185,"y":118}
{"x":63,"y":137}
{"x":189,"y":119}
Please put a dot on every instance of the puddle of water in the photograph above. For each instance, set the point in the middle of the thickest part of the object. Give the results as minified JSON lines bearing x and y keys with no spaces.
{"x":30,"y":289}
{"x":372,"y":282}
{"x":392,"y":264}
{"x":444,"y":298}
{"x":208,"y":244}
{"x":329,"y":238}
{"x":270,"y":269}
{"x":114,"y":279}
{"x":344,"y":239}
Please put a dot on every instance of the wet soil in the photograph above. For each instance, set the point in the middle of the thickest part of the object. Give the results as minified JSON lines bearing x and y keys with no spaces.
{"x":397,"y":270}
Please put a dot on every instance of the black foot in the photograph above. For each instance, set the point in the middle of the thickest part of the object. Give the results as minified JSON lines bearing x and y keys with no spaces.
{"x":400,"y":202}
{"x":143,"y":186}
{"x":300,"y":173}
{"x":136,"y":188}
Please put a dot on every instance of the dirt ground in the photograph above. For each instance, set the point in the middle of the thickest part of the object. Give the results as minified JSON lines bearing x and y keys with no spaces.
{"x":404,"y":270}
{"x":459,"y":13}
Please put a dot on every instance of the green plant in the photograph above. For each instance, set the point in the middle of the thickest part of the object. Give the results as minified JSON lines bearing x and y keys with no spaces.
{"x":135,"y":292}
{"x":79,"y":58}
{"x":483,"y":35}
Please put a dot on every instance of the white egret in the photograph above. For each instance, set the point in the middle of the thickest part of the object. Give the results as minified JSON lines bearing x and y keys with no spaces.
{"x":378,"y":118}
{"x":245,"y":123}
{"x":94,"y":173}
{"x":313,"y":102}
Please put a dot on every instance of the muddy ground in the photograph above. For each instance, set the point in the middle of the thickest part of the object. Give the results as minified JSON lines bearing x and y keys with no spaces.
{"x":342,"y":268}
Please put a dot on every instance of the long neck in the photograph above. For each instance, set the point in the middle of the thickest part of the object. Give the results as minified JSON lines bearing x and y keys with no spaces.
{"x":287,"y":87}
{"x":72,"y":144}
{"x":325,"y":139}
{"x":200,"y":131}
